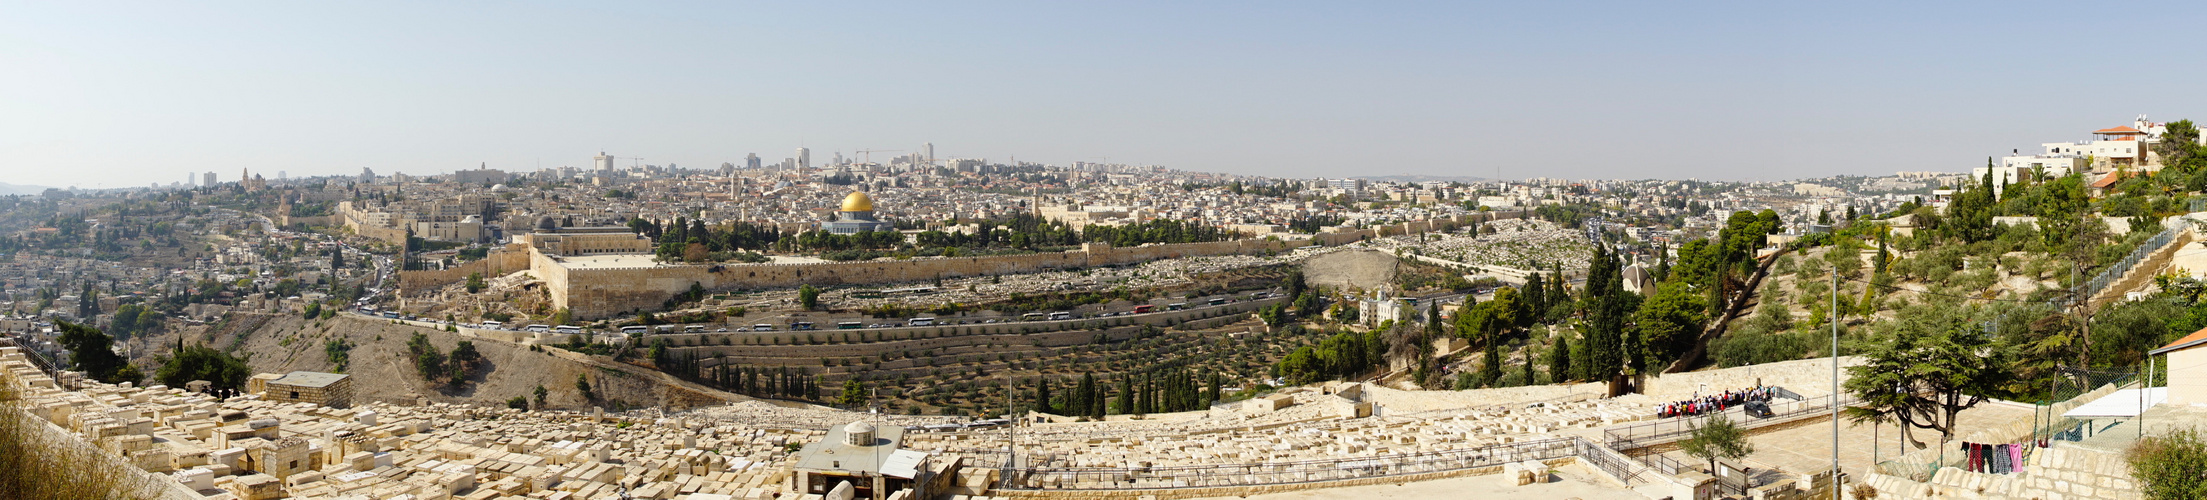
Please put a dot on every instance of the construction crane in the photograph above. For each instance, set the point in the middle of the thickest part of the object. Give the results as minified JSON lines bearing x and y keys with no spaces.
{"x":870,"y":153}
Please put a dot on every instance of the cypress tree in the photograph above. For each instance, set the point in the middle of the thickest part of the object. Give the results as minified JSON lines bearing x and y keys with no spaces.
{"x":1490,"y":370}
{"x":1126,"y":393}
{"x":1042,"y":396}
{"x":1213,"y":397}
{"x":1084,"y":395}
{"x":1559,"y":360}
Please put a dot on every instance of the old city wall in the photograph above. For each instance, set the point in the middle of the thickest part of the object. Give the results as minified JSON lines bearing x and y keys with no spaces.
{"x":498,"y":262}
{"x":602,"y":292}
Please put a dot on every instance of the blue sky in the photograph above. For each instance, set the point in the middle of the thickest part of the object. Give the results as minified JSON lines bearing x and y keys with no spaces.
{"x":127,"y":93}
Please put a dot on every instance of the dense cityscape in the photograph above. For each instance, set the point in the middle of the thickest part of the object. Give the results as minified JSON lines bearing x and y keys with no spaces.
{"x":1123,"y":251}
{"x":1017,"y":330}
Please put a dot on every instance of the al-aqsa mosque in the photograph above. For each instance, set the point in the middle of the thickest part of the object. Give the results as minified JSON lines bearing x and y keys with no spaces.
{"x":857,"y":216}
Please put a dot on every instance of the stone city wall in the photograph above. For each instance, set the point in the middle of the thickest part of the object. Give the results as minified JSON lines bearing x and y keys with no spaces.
{"x":603,"y":292}
{"x":497,"y":263}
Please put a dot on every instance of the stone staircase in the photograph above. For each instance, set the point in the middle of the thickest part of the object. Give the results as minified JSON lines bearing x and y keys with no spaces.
{"x":2142,"y":274}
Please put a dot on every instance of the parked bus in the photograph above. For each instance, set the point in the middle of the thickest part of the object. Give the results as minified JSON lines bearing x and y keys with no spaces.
{"x":1033,"y":317}
{"x":568,"y":329}
{"x":921,"y":322}
{"x":1218,"y":301}
{"x":635,"y":329}
{"x":1145,"y":309}
{"x":694,"y":329}
{"x":801,"y":325}
{"x":537,"y":328}
{"x":492,"y":325}
{"x":1176,"y":306}
{"x":762,"y":327}
{"x":849,"y":325}
{"x":1060,"y":315}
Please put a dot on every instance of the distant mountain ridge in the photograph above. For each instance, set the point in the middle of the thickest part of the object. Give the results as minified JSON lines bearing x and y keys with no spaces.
{"x":1420,"y":178}
{"x":8,"y":189}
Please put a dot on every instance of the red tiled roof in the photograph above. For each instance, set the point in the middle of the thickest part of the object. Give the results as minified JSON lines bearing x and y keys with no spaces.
{"x":2194,"y":338}
{"x":2117,"y":130}
{"x":2109,"y":180}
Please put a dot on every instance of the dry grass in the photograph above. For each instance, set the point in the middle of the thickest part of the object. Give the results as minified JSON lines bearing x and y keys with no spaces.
{"x":32,"y":467}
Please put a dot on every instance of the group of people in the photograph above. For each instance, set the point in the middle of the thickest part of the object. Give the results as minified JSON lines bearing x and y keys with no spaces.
{"x":1715,"y":402}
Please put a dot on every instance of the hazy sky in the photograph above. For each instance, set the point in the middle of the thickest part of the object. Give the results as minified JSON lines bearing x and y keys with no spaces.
{"x":113,"y":94}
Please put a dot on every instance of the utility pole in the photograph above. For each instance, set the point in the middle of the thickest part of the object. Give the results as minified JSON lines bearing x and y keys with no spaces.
{"x":1835,"y":383}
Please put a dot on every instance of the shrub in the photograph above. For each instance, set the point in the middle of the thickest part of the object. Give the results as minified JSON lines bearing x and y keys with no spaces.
{"x":2170,"y":466}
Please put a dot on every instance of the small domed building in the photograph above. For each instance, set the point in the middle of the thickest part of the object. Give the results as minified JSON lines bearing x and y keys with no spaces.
{"x":856,"y":216}
{"x":870,"y":459}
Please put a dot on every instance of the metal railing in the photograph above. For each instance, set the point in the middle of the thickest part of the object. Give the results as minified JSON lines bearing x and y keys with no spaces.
{"x":1617,"y":465}
{"x":2115,"y":272}
{"x":1337,"y":469}
{"x":1670,"y":429}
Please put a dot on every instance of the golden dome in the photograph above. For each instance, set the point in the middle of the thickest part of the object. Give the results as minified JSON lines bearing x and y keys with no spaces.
{"x":858,"y":202}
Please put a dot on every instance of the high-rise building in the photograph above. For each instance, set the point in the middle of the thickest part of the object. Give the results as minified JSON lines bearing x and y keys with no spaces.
{"x":208,"y":179}
{"x":804,"y":159}
{"x":191,"y":179}
{"x":927,"y":152}
{"x":604,"y":163}
{"x":751,"y":160}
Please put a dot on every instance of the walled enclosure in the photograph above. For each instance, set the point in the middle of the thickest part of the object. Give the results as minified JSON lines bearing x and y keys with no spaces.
{"x":599,"y":292}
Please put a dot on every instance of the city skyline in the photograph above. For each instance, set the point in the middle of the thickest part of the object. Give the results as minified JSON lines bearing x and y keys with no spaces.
{"x":128,"y":97}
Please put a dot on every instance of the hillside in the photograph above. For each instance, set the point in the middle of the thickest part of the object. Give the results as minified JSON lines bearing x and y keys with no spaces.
{"x":383,"y":370}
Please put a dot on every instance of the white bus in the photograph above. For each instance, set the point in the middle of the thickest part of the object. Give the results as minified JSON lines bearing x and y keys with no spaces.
{"x":492,"y":325}
{"x":635,"y":329}
{"x":762,"y":327}
{"x":921,"y":322}
{"x":1060,"y":315}
{"x":568,"y":329}
{"x":537,"y":328}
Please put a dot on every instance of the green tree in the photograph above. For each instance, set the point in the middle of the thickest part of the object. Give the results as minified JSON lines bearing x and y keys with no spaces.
{"x":474,"y":282}
{"x":2179,"y":145}
{"x":1559,"y":360}
{"x":93,"y":353}
{"x":199,"y":362}
{"x":1125,"y":403}
{"x":809,"y":297}
{"x":854,"y":393}
{"x":540,"y":394}
{"x":1490,"y":368}
{"x":518,"y":403}
{"x":582,"y":385}
{"x":1934,"y":364}
{"x":1717,"y":438}
{"x":2171,"y":466}
{"x":1670,"y":321}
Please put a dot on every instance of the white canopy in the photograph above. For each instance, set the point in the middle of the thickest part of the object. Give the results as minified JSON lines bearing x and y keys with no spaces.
{"x":2125,"y":403}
